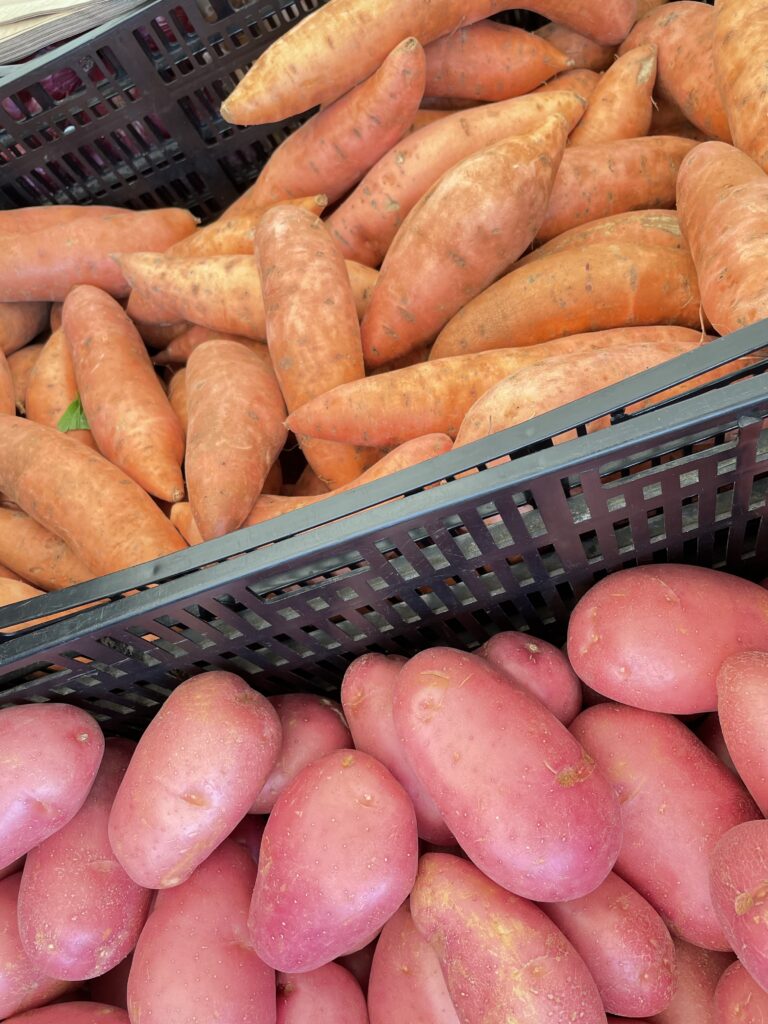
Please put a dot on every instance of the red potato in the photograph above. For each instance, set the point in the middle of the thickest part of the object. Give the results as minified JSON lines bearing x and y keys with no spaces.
{"x":739,"y":999}
{"x":21,"y":363}
{"x":684,"y":33}
{"x":501,"y":957}
{"x":584,"y":52}
{"x":490,"y":62}
{"x":7,"y":389}
{"x":450,"y":247}
{"x":625,"y":945}
{"x":312,"y":727}
{"x":177,"y":396}
{"x":655,"y":636}
{"x":249,"y":834}
{"x":721,"y":200}
{"x":606,"y":178}
{"x":193,"y":960}
{"x":73,"y":1013}
{"x":20,"y":322}
{"x":332,"y":151}
{"x":369,"y":218}
{"x":537,"y":667}
{"x":112,"y":988}
{"x":351,"y":39}
{"x":127,"y":409}
{"x":580,"y":81}
{"x":621,"y":107}
{"x":710,"y":733}
{"x":212,"y":746}
{"x":80,"y":922}
{"x":52,"y":387}
{"x":37,"y":555}
{"x":740,"y":49}
{"x":313,"y":332}
{"x":698,"y":972}
{"x":51,"y":755}
{"x":406,"y":980}
{"x":45,"y":265}
{"x":338,"y":858}
{"x":367,"y":692}
{"x":327,"y":995}
{"x":22,"y":986}
{"x":492,"y":747}
{"x":359,"y":964}
{"x":742,"y":705}
{"x":234,"y":434}
{"x":677,"y":800}
{"x":738,"y":872}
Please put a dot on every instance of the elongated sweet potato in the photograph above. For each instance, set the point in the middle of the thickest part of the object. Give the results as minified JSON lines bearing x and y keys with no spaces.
{"x":182,"y":518}
{"x":128,"y":411}
{"x":490,"y":62}
{"x":606,"y":178}
{"x":584,"y":52}
{"x":108,"y":521}
{"x":621,"y":107}
{"x":41,"y":218}
{"x":7,"y":389}
{"x":580,"y":81}
{"x":233,"y":233}
{"x":367,"y":221}
{"x":425,"y":116}
{"x":721,"y":200}
{"x":38,"y":556}
{"x":235,"y":433}
{"x":741,"y":59}
{"x":45,"y":265}
{"x":177,"y":396}
{"x":52,"y":387}
{"x":323,"y":56}
{"x":21,"y":363}
{"x":450,"y":247}
{"x":592,"y":288}
{"x":20,"y":322}
{"x":178,"y":351}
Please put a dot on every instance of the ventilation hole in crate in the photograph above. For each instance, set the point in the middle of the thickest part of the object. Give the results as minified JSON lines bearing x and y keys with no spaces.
{"x":490,"y":581}
{"x":691,"y":550}
{"x":690,"y":513}
{"x":214,"y":622}
{"x":288,"y":613}
{"x":725,"y":467}
{"x":341,"y":623}
{"x":406,"y":613}
{"x":460,"y":591}
{"x":757,"y":497}
{"x":431,"y":600}
{"x":98,"y":666}
{"x":294,"y":645}
{"x":551,"y":559}
{"x":241,"y":664}
{"x":751,"y":534}
{"x":129,"y":651}
{"x":724,"y":501}
{"x":720,"y":547}
{"x":622,"y":531}
{"x":273,"y":658}
{"x":398,"y":561}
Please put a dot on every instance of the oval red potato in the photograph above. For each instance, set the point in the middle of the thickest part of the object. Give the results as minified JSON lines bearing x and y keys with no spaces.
{"x":739,"y":999}
{"x":51,"y":753}
{"x":73,"y":1013}
{"x":524,"y":800}
{"x":655,"y":636}
{"x":698,"y":972}
{"x":327,"y":995}
{"x":742,"y":704}
{"x":337,"y":859}
{"x":196,"y":772}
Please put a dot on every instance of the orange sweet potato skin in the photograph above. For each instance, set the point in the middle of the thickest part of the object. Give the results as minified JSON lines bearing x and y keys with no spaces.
{"x":621,"y":107}
{"x":20,"y":322}
{"x":52,"y":387}
{"x":741,"y":59}
{"x":584,"y":52}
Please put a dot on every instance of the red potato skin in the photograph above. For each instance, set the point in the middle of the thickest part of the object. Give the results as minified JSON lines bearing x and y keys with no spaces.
{"x":406,"y":980}
{"x":625,"y":945}
{"x":621,"y":107}
{"x":327,"y":995}
{"x":742,"y":705}
{"x":738,"y":873}
{"x":193,"y":960}
{"x":740,"y":53}
{"x":367,"y":693}
{"x":81,"y":923}
{"x":20,"y":322}
{"x":565,"y":835}
{"x":331,"y":873}
{"x":675,"y":796}
{"x":739,"y":999}
{"x":22,"y":986}
{"x":332,"y":151}
{"x":46,"y":265}
{"x":73,"y":1013}
{"x":656,"y":636}
{"x":311,"y":727}
{"x":51,"y":755}
{"x":212,"y":744}
{"x":359,"y":964}
{"x":501,"y":957}
{"x":112,"y":988}
{"x":539,"y":668}
{"x":698,"y":972}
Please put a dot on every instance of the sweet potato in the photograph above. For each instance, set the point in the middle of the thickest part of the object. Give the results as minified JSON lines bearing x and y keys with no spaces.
{"x":425,"y":116}
{"x":128,"y":411}
{"x":55,"y":317}
{"x":179,"y":350}
{"x":159,"y":336}
{"x":233,"y":233}
{"x":677,"y":800}
{"x":565,"y":835}
{"x":73,"y":1013}
{"x":621,"y":106}
{"x":338,"y":858}
{"x":349,"y":40}
{"x":309,"y":484}
{"x":490,"y":62}
{"x":721,"y":201}
{"x":79,"y":912}
{"x":107,"y":520}
{"x":45,"y":265}
{"x":738,"y":999}
{"x":21,"y":364}
{"x":450,"y":247}
{"x":312,"y":328}
{"x":590,"y":288}
{"x":367,"y":221}
{"x":52,"y":387}
{"x":20,"y":322}
{"x":740,"y":57}
{"x":9,"y":574}
{"x":584,"y":52}
{"x":580,"y":81}
{"x":234,"y":435}
{"x":606,"y":178}
{"x":501,"y":957}
{"x":327,"y":995}
{"x":684,"y":34}
{"x":177,"y":396}
{"x":182,"y":518}
{"x":212,"y":745}
{"x":742,"y":701}
{"x":41,"y":218}
{"x":410,"y":453}
{"x":7,"y":388}
{"x":37,"y":555}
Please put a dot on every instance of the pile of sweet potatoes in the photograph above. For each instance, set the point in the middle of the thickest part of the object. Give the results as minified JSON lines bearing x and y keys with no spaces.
{"x":478,"y":225}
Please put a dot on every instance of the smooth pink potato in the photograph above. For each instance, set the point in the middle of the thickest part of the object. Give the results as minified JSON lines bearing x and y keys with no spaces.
{"x":338,"y":857}
{"x":73,"y":1013}
{"x":742,"y":705}
{"x":327,"y":995}
{"x":739,"y":999}
{"x":698,"y":972}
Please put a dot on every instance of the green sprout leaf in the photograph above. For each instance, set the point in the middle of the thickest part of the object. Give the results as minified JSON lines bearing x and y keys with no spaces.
{"x":73,"y":417}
